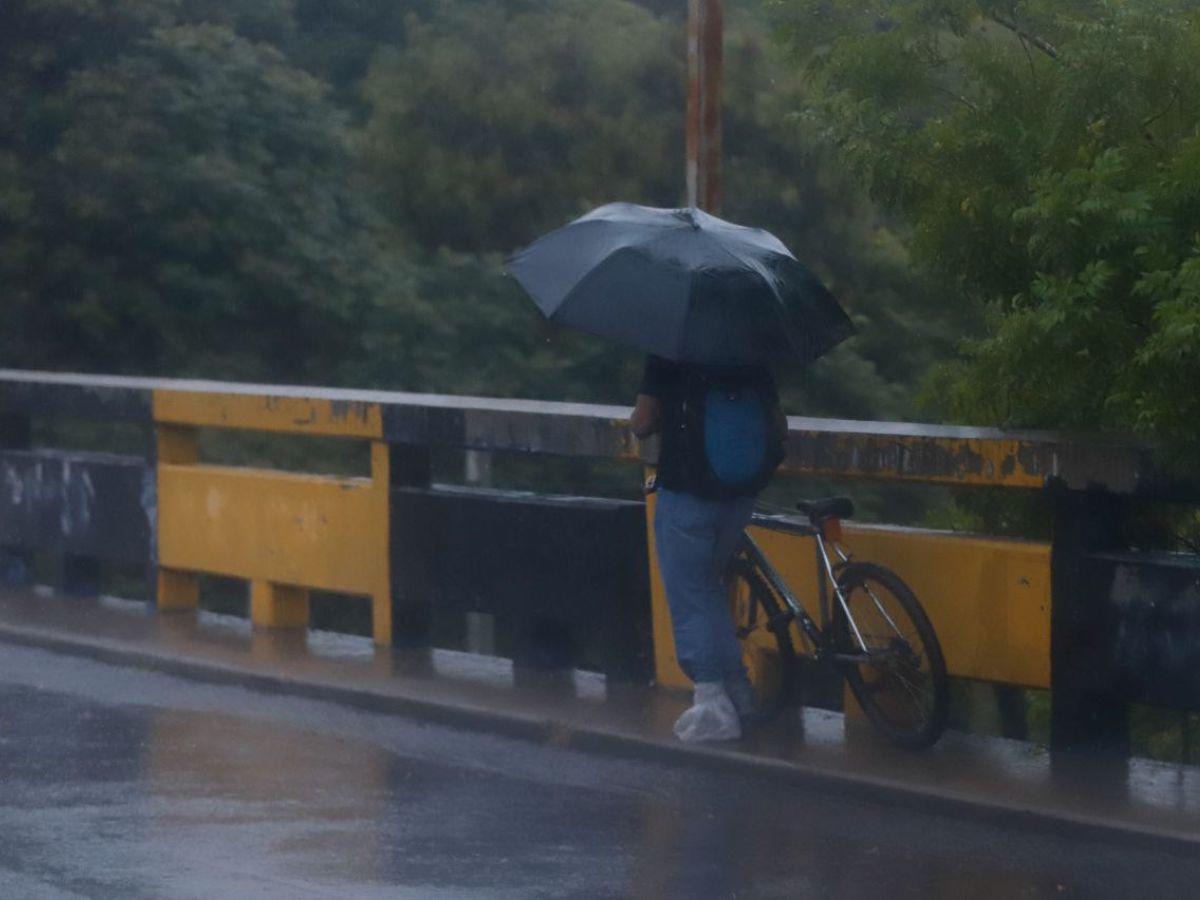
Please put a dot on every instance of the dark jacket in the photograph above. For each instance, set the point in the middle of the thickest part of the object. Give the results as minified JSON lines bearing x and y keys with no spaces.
{"x":669,"y":383}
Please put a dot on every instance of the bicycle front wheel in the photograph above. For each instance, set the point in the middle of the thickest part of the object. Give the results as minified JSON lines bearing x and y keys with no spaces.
{"x":899,"y":677}
{"x":763,"y":628}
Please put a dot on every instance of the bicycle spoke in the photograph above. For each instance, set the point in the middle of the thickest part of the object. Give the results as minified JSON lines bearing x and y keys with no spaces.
{"x":901,"y":682}
{"x":916,"y":699}
{"x":913,"y":667}
{"x":882,"y":611}
{"x":909,"y":638}
{"x":905,"y":636}
{"x":911,"y":693}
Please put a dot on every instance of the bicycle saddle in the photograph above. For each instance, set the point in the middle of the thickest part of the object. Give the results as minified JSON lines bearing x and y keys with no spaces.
{"x":831,"y":508}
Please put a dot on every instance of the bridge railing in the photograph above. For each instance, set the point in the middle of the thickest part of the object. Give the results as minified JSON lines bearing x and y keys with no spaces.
{"x":1012,"y":612}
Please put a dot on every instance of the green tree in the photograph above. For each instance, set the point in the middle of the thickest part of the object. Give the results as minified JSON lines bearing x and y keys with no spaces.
{"x":183,"y":190}
{"x":497,"y":121}
{"x":778,"y":176}
{"x":336,"y":40}
{"x":1046,"y":156}
{"x":191,"y":208}
{"x":501,"y":119}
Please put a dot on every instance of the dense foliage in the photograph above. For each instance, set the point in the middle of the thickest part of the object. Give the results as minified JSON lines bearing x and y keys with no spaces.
{"x":521,"y":114}
{"x":325,"y":190}
{"x":185,"y":204}
{"x":1046,"y":155}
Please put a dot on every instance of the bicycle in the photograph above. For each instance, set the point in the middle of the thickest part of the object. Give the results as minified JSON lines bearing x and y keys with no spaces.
{"x":877,"y":633}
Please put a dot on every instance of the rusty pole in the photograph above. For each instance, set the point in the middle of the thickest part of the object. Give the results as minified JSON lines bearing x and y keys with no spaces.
{"x":705,"y":73}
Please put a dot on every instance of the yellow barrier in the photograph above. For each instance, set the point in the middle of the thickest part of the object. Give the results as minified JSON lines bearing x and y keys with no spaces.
{"x":285,"y":533}
{"x":269,"y":412}
{"x":288,"y":534}
{"x":988,"y":598}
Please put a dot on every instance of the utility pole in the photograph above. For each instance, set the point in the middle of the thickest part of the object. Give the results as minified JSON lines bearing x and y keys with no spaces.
{"x":705,"y":74}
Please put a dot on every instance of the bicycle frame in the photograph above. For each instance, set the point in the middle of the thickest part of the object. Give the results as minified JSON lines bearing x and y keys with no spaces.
{"x":875,"y":663}
{"x":826,"y":579}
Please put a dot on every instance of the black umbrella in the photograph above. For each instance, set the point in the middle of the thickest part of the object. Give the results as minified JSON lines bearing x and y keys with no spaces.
{"x":681,"y":284}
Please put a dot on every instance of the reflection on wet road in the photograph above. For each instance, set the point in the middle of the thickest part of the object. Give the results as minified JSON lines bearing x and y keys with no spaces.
{"x":121,"y":783}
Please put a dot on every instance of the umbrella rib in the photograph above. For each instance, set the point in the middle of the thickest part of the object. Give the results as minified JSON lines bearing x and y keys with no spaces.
{"x":516,"y":260}
{"x":739,"y":263}
{"x":765,"y":275}
{"x":693,"y":275}
{"x":756,"y":268}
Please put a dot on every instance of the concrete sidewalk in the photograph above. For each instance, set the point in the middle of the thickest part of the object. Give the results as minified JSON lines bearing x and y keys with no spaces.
{"x":1004,"y":781}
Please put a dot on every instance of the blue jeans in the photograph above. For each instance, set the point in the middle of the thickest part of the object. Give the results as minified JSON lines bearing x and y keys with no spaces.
{"x":696,"y":539}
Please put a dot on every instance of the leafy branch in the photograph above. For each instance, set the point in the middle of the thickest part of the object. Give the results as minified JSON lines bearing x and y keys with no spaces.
{"x":1037,"y":41}
{"x":959,"y":98}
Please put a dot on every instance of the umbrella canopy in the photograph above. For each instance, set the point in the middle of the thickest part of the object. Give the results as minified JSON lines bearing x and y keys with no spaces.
{"x":681,"y":284}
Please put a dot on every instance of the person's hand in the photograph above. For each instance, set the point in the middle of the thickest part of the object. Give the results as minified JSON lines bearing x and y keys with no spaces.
{"x":646,"y":418}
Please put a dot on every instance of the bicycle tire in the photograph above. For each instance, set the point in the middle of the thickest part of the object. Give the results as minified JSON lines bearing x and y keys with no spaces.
{"x":885,"y":688}
{"x":756,"y":610}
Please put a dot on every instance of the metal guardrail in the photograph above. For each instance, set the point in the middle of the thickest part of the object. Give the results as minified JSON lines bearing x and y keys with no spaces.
{"x":933,"y":454}
{"x":1089,"y":482}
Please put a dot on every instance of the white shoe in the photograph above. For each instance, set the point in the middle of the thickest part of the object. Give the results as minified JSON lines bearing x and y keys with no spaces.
{"x":712,"y":716}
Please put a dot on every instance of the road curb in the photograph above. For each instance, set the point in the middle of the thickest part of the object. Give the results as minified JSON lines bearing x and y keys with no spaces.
{"x":559,"y":733}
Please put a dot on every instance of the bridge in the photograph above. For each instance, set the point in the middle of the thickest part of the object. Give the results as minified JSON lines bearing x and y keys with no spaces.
{"x":511,"y":685}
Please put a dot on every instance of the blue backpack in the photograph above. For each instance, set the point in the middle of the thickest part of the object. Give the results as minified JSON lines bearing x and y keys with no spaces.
{"x":734,"y":440}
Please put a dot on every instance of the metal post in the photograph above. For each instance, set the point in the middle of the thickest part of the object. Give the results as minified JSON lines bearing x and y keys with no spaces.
{"x":16,"y":563}
{"x":705,"y":74}
{"x":477,"y":468}
{"x":410,"y":470}
{"x":1085,"y":713}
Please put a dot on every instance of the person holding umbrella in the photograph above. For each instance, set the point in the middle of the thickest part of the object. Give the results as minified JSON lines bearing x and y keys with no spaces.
{"x":715,"y":305}
{"x":700,"y":516}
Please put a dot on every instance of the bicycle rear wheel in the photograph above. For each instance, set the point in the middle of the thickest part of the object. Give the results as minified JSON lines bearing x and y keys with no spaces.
{"x":763,"y":628}
{"x":901,"y":680}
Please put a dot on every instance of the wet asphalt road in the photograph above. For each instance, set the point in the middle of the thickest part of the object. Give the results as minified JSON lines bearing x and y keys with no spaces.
{"x":121,"y":783}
